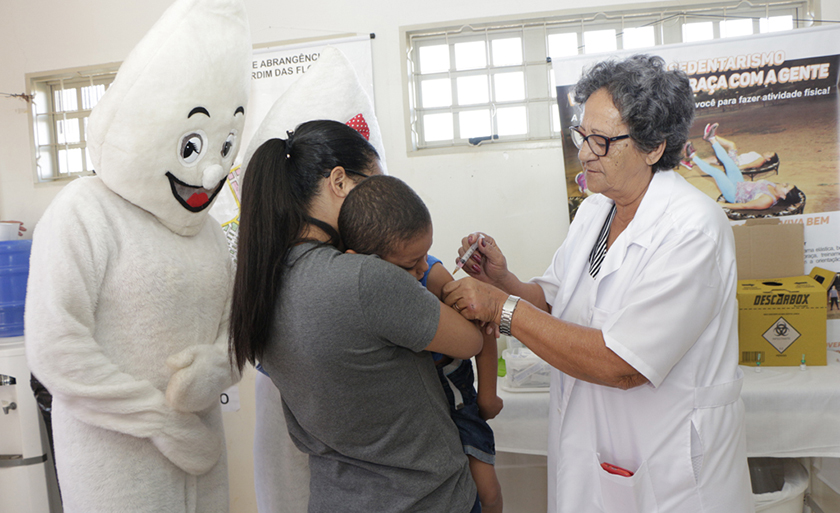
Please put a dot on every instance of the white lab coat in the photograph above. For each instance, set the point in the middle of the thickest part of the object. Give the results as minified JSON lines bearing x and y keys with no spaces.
{"x":665,"y":302}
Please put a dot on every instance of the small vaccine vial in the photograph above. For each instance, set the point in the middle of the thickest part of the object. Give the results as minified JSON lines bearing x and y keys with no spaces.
{"x":802,"y":365}
{"x":758,"y":363}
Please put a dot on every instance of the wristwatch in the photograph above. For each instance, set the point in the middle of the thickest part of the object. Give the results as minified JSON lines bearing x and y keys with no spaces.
{"x":507,"y":314}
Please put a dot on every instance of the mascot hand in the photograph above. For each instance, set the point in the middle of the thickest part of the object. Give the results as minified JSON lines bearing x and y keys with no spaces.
{"x":200,"y":374}
{"x":188,"y":443}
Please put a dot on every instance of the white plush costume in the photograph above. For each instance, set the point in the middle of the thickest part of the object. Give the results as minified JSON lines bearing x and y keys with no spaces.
{"x":130,"y":280}
{"x":330,"y":89}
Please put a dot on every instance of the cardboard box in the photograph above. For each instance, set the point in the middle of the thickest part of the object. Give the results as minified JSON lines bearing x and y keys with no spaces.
{"x":782,"y":314}
{"x":766,"y":248}
{"x":780,"y":320}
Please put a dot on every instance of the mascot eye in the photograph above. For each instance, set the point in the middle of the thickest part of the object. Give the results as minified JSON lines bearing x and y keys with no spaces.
{"x":231,"y":138}
{"x":191,"y":146}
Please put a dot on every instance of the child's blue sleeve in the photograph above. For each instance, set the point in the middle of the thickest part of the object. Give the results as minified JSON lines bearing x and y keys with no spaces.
{"x":431,"y":261}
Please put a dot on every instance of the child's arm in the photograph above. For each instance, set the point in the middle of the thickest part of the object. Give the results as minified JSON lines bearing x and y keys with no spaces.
{"x":486,"y":361}
{"x":450,"y":321}
{"x":438,"y":275}
{"x":487,"y":368}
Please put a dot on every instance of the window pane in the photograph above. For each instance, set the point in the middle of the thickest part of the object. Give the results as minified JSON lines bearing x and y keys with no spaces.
{"x":507,"y":52}
{"x":60,"y":132}
{"x":556,"y":127}
{"x":733,"y":28}
{"x":434,"y":59}
{"x":698,"y":31}
{"x":512,"y":121}
{"x":639,"y":37}
{"x":43,"y":128}
{"x":67,"y":131}
{"x":436,"y":93}
{"x":472,"y":90}
{"x":70,"y":161}
{"x":89,"y":162}
{"x":438,"y":127}
{"x":44,"y":163}
{"x":91,"y":96}
{"x":470,"y":55}
{"x":474,"y":123}
{"x":595,"y":41}
{"x":562,"y":45}
{"x":73,"y":134}
{"x":65,"y":100}
{"x":509,"y":86}
{"x":775,"y":24}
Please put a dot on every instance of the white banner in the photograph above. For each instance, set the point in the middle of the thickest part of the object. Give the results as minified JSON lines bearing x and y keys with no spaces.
{"x":775,"y":100}
{"x":273,"y":70}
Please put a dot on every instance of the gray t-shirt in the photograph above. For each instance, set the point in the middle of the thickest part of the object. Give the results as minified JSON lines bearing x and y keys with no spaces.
{"x":360,"y":394}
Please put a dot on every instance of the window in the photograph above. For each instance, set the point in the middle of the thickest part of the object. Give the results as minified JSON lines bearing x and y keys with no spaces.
{"x":61,"y":104}
{"x":490,"y":82}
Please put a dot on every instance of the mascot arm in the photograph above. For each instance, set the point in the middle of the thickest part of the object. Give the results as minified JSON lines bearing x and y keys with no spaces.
{"x":201,"y":372}
{"x":69,"y":259}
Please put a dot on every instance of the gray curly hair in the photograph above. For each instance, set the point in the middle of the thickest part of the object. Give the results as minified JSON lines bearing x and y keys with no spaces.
{"x":655,"y":103}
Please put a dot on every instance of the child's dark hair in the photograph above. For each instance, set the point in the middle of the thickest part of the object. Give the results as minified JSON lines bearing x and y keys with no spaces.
{"x":380,"y":213}
{"x":278,"y":186}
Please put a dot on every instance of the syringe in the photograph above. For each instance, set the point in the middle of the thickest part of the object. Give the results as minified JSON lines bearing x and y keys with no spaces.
{"x":463,"y":260}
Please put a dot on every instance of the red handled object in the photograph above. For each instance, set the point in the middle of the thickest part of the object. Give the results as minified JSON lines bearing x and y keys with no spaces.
{"x":612,"y":469}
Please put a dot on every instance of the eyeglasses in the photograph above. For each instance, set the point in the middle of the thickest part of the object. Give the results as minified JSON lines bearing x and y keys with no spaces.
{"x":599,"y":144}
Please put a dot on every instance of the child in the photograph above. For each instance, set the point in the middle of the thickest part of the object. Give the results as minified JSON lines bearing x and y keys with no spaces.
{"x":383,"y":216}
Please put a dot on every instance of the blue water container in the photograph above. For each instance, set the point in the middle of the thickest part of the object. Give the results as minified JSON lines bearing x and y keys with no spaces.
{"x":14,"y":271}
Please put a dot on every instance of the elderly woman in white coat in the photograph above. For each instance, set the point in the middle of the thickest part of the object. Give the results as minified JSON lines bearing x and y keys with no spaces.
{"x":636,"y":313}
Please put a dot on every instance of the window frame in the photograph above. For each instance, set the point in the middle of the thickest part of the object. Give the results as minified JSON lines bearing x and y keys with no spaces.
{"x":44,"y":117}
{"x":666,"y":17}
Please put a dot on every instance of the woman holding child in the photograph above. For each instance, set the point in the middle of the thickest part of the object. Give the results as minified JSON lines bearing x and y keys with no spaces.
{"x":637,"y":313}
{"x":344,"y":336}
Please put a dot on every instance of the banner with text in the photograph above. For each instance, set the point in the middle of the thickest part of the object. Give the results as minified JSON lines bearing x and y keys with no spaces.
{"x":275,"y":68}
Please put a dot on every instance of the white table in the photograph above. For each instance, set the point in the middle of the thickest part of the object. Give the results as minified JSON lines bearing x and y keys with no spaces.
{"x":789,"y":413}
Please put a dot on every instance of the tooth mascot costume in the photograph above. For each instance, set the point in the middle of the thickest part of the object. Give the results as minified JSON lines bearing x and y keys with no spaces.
{"x":330,"y":89}
{"x":130,"y":279}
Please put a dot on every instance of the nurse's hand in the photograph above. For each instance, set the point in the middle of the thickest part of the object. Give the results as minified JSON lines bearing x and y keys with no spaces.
{"x":487,"y":263}
{"x":475,"y":300}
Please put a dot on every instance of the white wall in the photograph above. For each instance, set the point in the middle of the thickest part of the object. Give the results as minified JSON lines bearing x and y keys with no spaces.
{"x":517,"y":195}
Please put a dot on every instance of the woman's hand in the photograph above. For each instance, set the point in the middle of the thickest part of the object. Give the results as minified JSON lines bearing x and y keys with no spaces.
{"x":475,"y":300}
{"x":21,"y":228}
{"x":487,"y":263}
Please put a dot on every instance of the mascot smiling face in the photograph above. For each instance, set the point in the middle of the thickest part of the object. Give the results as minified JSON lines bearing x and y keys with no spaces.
{"x":165,"y":133}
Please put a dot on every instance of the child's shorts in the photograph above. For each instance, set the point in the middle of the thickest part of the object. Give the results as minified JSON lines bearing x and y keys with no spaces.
{"x":476,"y":434}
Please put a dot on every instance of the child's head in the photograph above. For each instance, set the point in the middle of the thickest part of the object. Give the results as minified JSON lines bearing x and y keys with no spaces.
{"x":384,"y":216}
